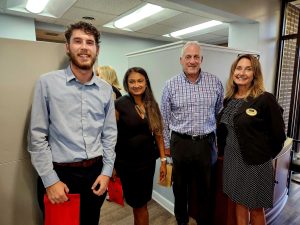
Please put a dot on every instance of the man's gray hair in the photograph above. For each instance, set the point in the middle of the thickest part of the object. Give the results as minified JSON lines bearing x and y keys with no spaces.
{"x":187,"y":44}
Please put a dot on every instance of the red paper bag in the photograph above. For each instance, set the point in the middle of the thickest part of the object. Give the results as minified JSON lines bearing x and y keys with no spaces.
{"x":67,"y":213}
{"x":115,"y":191}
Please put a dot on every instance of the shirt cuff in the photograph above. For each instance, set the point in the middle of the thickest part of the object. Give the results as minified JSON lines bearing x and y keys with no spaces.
{"x":50,"y":179}
{"x":107,"y":170}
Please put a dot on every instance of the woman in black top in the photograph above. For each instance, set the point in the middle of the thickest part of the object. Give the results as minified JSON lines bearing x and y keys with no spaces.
{"x":140,"y":142}
{"x":250,"y":133}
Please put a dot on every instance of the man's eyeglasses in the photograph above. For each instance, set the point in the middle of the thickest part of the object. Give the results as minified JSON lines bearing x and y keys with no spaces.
{"x":254,"y":55}
{"x":189,"y":57}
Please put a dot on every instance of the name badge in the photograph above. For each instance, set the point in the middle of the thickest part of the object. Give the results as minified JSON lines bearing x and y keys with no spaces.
{"x":251,"y":112}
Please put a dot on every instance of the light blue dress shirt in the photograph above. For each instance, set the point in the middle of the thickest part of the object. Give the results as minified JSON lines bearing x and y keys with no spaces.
{"x":71,"y":122}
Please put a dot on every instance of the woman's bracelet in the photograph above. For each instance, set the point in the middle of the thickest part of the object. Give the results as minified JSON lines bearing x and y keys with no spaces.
{"x":163,"y":159}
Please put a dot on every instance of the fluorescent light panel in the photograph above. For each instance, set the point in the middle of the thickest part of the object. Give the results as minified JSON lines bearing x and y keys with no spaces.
{"x":141,"y":13}
{"x":36,"y":6}
{"x":195,"y":28}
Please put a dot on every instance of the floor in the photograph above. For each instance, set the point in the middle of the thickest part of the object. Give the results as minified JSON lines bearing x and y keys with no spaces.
{"x":290,"y":215}
{"x":113,"y":214}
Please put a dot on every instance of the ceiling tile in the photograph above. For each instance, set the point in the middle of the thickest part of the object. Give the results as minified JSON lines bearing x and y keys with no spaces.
{"x":184,"y":20}
{"x":76,"y":14}
{"x":47,"y":19}
{"x":113,"y":7}
{"x":155,"y":19}
{"x":105,"y":11}
{"x":157,"y":29}
{"x":210,"y":39}
{"x":64,"y":22}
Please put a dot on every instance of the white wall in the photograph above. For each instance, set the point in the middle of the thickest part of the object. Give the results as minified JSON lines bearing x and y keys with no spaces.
{"x":243,"y":36}
{"x":14,"y":27}
{"x":113,"y":50}
{"x":19,"y":71}
{"x":268,"y":47}
{"x":261,"y":37}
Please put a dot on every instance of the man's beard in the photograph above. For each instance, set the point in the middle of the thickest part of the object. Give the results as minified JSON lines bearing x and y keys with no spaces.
{"x":80,"y":65}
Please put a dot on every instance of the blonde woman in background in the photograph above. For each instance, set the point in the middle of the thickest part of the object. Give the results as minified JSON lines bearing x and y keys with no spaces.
{"x":108,"y":74}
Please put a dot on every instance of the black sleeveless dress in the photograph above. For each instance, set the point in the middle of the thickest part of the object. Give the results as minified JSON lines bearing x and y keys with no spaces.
{"x":135,"y":154}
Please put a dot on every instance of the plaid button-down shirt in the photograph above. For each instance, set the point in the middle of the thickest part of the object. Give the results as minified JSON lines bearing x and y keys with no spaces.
{"x":191,"y":108}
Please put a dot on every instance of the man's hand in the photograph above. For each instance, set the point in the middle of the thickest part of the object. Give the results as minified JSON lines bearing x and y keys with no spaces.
{"x":57,"y":193}
{"x":100,"y":185}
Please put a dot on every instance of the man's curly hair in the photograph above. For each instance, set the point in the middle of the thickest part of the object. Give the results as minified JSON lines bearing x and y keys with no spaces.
{"x":88,"y":28}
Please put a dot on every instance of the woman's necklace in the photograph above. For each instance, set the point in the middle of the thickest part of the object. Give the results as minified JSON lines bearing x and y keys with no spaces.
{"x":141,"y":110}
{"x":240,"y":95}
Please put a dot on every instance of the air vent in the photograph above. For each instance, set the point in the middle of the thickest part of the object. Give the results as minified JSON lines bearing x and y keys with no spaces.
{"x":51,"y":34}
{"x":88,"y":18}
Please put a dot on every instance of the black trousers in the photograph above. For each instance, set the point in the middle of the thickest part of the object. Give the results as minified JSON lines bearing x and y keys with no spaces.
{"x":79,"y":180}
{"x":193,"y":179}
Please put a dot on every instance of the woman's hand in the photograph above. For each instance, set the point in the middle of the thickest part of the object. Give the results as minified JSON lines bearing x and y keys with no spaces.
{"x":163,"y":171}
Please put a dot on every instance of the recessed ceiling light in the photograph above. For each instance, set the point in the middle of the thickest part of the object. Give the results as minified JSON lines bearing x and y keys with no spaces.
{"x":141,"y":13}
{"x":36,"y":6}
{"x":195,"y":28}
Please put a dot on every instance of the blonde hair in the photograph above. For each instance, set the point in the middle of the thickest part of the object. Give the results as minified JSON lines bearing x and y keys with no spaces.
{"x":108,"y":74}
{"x":257,"y":85}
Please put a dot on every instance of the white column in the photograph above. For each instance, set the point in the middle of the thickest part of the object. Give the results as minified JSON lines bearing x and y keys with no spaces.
{"x":244,"y":36}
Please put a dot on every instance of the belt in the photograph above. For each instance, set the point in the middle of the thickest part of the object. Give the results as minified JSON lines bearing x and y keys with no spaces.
{"x":192,"y":137}
{"x":81,"y":164}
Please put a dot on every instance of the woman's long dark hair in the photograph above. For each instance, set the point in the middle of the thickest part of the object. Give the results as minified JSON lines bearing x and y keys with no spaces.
{"x":151,"y":106}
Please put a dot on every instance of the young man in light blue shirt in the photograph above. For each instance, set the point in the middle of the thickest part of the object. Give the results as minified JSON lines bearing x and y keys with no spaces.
{"x":73,"y":131}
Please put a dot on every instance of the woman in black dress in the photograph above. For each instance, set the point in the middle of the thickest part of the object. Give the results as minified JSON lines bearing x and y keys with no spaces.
{"x":250,"y":133}
{"x":140,"y":142}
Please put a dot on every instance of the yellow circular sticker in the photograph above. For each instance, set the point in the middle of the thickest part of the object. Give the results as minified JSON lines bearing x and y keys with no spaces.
{"x":251,"y":112}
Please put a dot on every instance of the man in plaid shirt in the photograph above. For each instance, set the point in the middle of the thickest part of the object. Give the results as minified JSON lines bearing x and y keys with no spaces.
{"x":190,"y":104}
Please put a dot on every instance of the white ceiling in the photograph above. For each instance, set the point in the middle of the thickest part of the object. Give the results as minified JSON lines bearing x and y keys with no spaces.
{"x":184,"y":13}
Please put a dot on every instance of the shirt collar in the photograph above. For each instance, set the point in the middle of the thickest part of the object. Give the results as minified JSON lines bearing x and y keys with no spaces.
{"x":70,"y":76}
{"x":198,"y":79}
